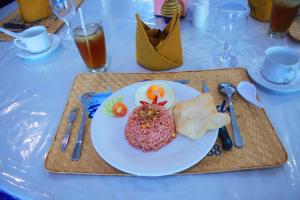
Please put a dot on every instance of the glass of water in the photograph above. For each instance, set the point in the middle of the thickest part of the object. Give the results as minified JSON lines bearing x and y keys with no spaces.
{"x":230,"y":23}
{"x":64,"y":10}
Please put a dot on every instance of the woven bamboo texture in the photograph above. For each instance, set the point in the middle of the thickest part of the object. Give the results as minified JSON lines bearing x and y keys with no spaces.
{"x":263,"y":148}
{"x":294,"y":30}
{"x":52,"y":23}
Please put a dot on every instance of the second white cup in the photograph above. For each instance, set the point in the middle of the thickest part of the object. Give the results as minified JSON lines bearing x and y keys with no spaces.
{"x":34,"y":39}
{"x":281,"y":64}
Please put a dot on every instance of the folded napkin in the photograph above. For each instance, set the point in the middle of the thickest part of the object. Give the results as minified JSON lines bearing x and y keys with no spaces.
{"x":156,"y":49}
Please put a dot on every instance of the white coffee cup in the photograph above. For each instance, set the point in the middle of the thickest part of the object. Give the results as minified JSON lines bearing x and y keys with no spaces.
{"x":34,"y":39}
{"x":281,"y":64}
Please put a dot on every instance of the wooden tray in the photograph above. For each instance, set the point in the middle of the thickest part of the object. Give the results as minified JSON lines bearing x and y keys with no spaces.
{"x":52,"y":23}
{"x":262,"y":148}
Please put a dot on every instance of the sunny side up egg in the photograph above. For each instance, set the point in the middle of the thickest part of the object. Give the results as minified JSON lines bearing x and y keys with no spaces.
{"x":149,"y":91}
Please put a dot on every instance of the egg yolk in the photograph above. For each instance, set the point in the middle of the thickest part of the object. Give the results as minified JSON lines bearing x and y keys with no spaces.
{"x":154,"y":91}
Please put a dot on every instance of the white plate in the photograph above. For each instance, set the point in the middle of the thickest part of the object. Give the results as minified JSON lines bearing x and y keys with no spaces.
{"x":109,"y":140}
{"x":290,"y":88}
{"x":54,"y":40}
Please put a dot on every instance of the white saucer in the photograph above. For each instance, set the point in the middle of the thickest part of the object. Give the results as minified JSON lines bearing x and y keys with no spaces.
{"x":289,"y":88}
{"x":54,"y":40}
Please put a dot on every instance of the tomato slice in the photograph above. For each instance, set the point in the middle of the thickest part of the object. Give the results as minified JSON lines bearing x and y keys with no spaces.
{"x":119,"y":109}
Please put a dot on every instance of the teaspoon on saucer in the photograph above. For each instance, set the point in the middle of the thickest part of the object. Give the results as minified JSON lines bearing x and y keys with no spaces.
{"x":10,"y":33}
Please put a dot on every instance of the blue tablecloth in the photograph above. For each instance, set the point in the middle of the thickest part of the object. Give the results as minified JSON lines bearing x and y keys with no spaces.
{"x":34,"y":93}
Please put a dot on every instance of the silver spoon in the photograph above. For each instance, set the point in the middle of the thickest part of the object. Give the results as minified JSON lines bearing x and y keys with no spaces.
{"x":229,"y":90}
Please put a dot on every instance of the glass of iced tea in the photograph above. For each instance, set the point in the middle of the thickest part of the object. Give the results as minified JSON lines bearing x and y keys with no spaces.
{"x":91,"y":45}
{"x":283,"y":13}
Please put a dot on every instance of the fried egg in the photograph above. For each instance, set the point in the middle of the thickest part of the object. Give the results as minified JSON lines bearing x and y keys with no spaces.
{"x":148,"y":91}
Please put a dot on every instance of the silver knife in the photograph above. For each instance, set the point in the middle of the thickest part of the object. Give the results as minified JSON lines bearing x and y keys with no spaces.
{"x":222,"y":133}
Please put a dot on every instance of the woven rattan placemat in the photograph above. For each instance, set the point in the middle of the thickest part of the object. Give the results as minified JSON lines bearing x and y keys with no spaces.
{"x":262,"y":148}
{"x":294,"y":30}
{"x":52,"y":23}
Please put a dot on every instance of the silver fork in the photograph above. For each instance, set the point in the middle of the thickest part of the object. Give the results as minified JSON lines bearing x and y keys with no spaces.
{"x":85,"y":100}
{"x":72,"y":117}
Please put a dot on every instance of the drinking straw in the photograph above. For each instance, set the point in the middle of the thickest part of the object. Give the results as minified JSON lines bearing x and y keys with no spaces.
{"x":82,"y":21}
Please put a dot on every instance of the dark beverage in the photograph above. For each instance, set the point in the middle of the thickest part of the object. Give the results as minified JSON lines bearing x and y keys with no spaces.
{"x":91,"y":46}
{"x":283,"y":13}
